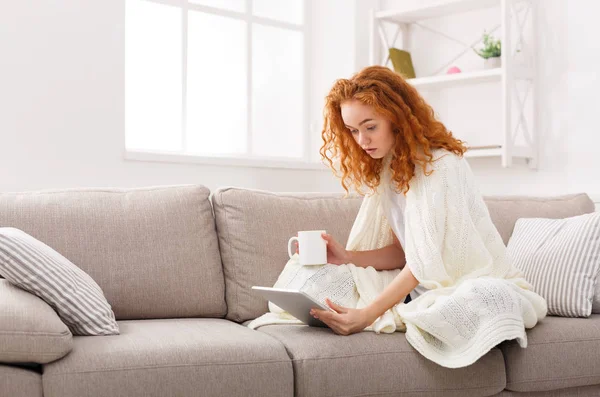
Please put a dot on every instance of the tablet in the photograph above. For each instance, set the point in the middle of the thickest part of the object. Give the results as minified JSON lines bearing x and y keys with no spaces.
{"x":295,"y":302}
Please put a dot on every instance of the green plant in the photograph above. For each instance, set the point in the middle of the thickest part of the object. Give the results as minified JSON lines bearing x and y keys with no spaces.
{"x":491,"y":47}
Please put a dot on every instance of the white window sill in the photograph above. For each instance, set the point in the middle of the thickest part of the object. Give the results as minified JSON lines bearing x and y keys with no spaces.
{"x":258,"y":162}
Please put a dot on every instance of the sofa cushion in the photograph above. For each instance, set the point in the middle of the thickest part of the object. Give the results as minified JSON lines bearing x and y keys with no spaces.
{"x":20,"y":382}
{"x":561,"y":352}
{"x":153,"y":251}
{"x":378,"y":365}
{"x":179,"y":357}
{"x":35,"y":267}
{"x":505,"y":210}
{"x":254,"y":228}
{"x":30,"y":331}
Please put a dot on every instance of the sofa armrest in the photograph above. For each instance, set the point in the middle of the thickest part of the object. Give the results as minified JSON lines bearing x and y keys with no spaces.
{"x":30,"y":330}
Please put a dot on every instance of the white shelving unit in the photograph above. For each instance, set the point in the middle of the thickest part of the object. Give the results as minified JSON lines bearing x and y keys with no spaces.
{"x":514,"y":15}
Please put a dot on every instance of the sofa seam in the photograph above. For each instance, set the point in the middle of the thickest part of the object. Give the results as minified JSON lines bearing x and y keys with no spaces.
{"x":364,"y":355}
{"x":143,"y":368}
{"x":235,"y":267}
{"x":395,"y":392}
{"x":289,"y":194}
{"x":36,"y":333}
{"x":529,"y":381}
{"x":349,"y":356}
{"x":115,"y":190}
{"x":539,"y":199}
{"x":207,"y":200}
{"x":554,"y":342}
{"x":27,"y":353}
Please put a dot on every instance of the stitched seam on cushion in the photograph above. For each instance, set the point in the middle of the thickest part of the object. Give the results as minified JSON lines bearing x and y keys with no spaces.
{"x":519,"y":198}
{"x":167,"y":366}
{"x":556,"y":342}
{"x":27,"y":353}
{"x":355,"y":355}
{"x":395,"y":392}
{"x":37,"y":333}
{"x":235,"y":269}
{"x":556,"y":379}
{"x":101,"y":190}
{"x":271,"y":194}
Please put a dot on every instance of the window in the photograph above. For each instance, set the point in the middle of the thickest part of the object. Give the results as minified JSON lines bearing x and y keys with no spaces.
{"x":217,"y":78}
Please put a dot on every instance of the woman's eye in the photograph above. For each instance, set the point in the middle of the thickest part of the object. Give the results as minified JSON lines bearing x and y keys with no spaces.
{"x":354,"y":132}
{"x":371,"y":128}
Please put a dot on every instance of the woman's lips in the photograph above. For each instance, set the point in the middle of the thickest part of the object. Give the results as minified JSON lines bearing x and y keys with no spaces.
{"x":370,"y":150}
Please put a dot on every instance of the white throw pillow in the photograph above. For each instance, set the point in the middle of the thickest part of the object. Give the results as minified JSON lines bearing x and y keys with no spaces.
{"x":33,"y":266}
{"x":561,"y":259}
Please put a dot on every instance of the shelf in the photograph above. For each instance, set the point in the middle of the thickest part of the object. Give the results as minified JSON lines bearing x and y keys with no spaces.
{"x":457,"y":79}
{"x":441,"y":9}
{"x":513,"y":84}
{"x":484,"y":151}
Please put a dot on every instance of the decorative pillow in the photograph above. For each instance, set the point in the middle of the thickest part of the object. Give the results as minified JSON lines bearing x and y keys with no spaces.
{"x":30,"y":331}
{"x":33,"y":266}
{"x":561,"y":259}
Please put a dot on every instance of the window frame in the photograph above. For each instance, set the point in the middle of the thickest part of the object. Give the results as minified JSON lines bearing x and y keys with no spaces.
{"x":307,"y":161}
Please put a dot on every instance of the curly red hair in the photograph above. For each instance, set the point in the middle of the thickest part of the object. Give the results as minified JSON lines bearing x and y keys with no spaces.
{"x":411,"y":118}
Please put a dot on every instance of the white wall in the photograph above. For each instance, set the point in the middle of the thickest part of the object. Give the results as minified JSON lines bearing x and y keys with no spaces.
{"x":62,"y":84}
{"x":568,"y":102}
{"x":62,"y":101}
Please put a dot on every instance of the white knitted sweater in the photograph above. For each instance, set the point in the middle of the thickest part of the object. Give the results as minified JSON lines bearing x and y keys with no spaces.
{"x":474,"y":297}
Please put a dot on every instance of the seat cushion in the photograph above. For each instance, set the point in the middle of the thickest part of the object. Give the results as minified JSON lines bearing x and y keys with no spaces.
{"x":254,"y":228}
{"x":561,"y":353}
{"x":365,"y":363}
{"x":30,"y":331}
{"x":153,"y":251}
{"x":505,"y":210}
{"x":20,"y":382}
{"x":179,"y":357}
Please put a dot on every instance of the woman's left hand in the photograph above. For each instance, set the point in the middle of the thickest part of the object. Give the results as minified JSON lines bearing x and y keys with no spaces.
{"x":345,"y":322}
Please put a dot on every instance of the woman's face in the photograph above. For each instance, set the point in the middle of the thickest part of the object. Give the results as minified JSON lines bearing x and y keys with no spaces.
{"x":372,"y":132}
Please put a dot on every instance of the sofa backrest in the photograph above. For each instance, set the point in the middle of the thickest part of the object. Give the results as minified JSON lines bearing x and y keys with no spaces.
{"x":505,"y":210}
{"x":254,"y":227}
{"x":153,"y":251}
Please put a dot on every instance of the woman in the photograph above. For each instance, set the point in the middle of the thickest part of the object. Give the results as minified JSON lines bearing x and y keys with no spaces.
{"x":422,"y":228}
{"x":383,"y":135}
{"x":375,"y":115}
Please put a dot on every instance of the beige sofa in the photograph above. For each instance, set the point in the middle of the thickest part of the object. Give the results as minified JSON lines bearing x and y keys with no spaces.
{"x":176,"y":263}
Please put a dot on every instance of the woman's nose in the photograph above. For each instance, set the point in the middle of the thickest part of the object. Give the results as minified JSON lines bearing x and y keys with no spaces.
{"x":362,"y":139}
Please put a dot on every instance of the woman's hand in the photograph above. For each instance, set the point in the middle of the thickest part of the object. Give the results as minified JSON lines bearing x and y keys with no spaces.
{"x":345,"y":322}
{"x":336,"y":253}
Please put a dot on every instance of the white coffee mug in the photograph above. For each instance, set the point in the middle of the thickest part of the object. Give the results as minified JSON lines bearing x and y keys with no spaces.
{"x":312,"y":247}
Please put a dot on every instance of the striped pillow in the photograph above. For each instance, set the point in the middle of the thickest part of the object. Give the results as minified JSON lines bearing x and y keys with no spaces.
{"x":33,"y":266}
{"x":561,"y":259}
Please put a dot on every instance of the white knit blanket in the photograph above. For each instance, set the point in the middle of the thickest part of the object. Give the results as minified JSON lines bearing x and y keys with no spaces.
{"x":475,"y":297}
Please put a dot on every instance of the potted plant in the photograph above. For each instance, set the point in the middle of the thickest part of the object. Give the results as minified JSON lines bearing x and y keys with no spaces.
{"x":490,"y":52}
